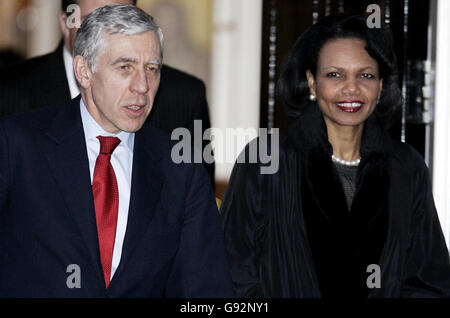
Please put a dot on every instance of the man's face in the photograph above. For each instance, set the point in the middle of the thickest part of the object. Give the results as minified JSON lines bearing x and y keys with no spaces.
{"x":86,"y":7}
{"x":120,"y":94}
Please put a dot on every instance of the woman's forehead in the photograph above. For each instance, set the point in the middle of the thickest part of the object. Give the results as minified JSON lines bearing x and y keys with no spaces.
{"x":345,"y":52}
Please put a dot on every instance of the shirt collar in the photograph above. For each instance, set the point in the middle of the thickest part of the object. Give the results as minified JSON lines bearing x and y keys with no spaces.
{"x":68,"y":65}
{"x":92,"y":129}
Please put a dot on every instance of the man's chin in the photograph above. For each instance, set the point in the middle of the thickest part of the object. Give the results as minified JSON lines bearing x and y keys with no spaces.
{"x":132,"y":128}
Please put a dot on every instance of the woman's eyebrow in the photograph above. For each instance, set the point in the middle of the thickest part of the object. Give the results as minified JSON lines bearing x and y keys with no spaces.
{"x":343,"y":69}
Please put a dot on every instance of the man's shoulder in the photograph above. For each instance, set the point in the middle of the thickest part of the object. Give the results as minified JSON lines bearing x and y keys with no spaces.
{"x":32,"y":70}
{"x":177,"y":77}
{"x":156,"y":139}
{"x":31,"y":121}
{"x":28,"y":67}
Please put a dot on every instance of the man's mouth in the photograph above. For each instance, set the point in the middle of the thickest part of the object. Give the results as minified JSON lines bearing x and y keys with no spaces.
{"x":135,"y":109}
{"x":350,"y":106}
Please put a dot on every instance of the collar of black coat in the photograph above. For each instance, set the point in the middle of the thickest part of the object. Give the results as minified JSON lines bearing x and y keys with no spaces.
{"x":342,"y":240}
{"x":309,"y":131}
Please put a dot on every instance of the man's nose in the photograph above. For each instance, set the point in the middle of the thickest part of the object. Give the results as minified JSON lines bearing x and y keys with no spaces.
{"x":139,"y":83}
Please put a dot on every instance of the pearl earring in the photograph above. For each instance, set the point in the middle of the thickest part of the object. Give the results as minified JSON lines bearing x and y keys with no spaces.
{"x":312,"y":98}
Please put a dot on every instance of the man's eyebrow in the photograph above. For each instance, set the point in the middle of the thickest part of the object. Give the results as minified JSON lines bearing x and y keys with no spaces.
{"x":155,"y":62}
{"x":124,"y":60}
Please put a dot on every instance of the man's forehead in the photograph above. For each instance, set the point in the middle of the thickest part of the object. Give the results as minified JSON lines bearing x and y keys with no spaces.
{"x":149,"y":39}
{"x":133,"y":47}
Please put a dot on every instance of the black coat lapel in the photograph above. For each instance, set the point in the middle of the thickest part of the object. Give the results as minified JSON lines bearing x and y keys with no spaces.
{"x":369,"y":212}
{"x":349,"y":240}
{"x":68,"y":160}
{"x":147,"y":182}
{"x":323,"y":189}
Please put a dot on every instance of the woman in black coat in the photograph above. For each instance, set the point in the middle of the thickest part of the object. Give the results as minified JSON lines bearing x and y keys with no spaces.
{"x":350,"y":212}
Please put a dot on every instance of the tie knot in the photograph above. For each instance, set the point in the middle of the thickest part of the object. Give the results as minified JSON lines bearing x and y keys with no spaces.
{"x":108,"y":144}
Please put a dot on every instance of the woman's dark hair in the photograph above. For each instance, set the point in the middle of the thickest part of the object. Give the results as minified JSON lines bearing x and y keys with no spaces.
{"x":293,"y":86}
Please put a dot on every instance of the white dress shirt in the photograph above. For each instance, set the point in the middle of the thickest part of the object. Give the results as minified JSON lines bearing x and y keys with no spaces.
{"x":68,"y":65}
{"x":122,"y":163}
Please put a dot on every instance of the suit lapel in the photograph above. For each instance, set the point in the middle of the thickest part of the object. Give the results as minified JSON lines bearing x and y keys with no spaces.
{"x":147,"y":182}
{"x":68,"y":161}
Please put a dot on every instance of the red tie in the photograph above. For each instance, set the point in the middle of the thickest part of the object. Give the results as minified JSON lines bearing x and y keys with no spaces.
{"x":106,"y":201}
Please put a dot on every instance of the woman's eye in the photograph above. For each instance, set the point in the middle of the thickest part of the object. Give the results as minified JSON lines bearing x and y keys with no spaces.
{"x":333,"y":74}
{"x":367,"y":75}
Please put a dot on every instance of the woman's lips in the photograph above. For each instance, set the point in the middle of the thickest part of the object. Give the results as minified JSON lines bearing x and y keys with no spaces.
{"x":350,"y":106}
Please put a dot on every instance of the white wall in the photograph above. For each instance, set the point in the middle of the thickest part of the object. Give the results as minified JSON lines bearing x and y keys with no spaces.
{"x":441,"y":155}
{"x":236,"y":71}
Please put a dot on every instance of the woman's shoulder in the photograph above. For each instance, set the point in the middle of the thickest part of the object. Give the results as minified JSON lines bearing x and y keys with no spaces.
{"x":262,"y":158}
{"x":270,"y":144}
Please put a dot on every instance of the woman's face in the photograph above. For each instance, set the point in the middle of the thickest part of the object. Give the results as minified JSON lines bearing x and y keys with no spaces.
{"x":347,"y":83}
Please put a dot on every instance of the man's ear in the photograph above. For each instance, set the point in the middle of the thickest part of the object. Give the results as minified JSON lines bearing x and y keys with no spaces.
{"x":82,"y":71}
{"x":311,"y":82}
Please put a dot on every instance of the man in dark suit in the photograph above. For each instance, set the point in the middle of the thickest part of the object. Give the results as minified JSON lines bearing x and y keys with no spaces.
{"x":91,"y":202}
{"x":49,"y":80}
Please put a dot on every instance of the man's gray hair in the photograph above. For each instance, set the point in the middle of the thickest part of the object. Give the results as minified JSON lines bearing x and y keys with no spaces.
{"x":111,"y":19}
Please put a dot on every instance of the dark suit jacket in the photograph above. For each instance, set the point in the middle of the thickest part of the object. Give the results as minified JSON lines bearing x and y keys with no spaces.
{"x":42,"y":82}
{"x":173,"y":244}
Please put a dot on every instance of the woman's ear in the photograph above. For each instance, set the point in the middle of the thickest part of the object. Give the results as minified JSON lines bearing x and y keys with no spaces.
{"x":311,"y":83}
{"x":380,"y":89}
{"x":82,"y":71}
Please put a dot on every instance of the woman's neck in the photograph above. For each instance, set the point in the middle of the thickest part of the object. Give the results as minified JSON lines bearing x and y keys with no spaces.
{"x":345,"y":140}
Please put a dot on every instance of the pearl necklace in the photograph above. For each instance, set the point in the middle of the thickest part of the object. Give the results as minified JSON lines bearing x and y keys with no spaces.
{"x":345,"y":162}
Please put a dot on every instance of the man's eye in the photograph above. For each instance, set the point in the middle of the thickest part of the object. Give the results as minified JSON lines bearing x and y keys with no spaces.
{"x":125,"y":67}
{"x":152,"y":69}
